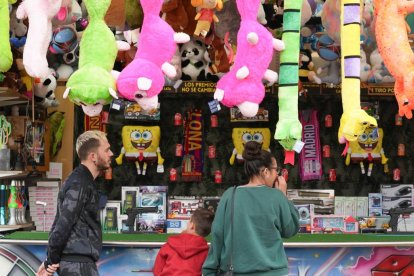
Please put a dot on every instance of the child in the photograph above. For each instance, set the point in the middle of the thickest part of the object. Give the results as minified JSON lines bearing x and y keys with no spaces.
{"x":184,"y":254}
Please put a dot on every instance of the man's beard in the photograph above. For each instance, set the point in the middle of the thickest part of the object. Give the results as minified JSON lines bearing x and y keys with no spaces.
{"x":101,"y":165}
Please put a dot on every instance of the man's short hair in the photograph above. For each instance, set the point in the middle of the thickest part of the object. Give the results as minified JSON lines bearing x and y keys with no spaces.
{"x":89,"y":141}
{"x":202,"y":219}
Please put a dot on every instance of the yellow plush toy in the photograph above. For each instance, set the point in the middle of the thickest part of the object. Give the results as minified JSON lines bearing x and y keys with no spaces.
{"x":205,"y":16}
{"x":368,"y":148}
{"x":141,"y":144}
{"x":240,"y":136}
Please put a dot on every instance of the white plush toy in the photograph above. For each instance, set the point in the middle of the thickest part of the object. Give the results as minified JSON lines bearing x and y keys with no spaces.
{"x":44,"y":90}
{"x":379,"y":73}
{"x":40,"y":14}
{"x":365,"y":67}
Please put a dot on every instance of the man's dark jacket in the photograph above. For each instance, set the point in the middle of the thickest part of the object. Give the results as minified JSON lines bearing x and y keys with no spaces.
{"x":76,"y":230}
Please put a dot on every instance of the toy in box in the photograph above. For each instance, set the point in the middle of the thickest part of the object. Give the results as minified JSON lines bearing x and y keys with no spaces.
{"x":334,"y":224}
{"x":150,"y":223}
{"x":181,"y":207}
{"x":176,"y":226}
{"x":110,"y":215}
{"x":122,"y":226}
{"x":261,"y":116}
{"x":306,"y":213}
{"x":375,"y":204}
{"x":396,"y":190}
{"x":395,"y":202}
{"x":129,"y":197}
{"x":152,"y":196}
{"x":323,"y":200}
{"x":211,"y":203}
{"x":377,"y":224}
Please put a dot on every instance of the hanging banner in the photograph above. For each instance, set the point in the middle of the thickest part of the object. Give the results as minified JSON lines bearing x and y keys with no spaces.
{"x":310,"y":160}
{"x":192,"y":166}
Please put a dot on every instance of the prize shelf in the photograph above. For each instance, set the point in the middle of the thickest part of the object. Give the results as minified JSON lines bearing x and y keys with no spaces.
{"x":10,"y":97}
{"x":5,"y":228}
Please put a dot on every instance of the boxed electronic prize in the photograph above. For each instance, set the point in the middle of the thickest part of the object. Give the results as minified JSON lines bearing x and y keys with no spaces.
{"x":181,"y":207}
{"x":152,"y":196}
{"x":323,"y":200}
{"x":374,"y":204}
{"x":110,"y":215}
{"x":129,"y":198}
{"x":211,"y":202}
{"x":397,"y":190}
{"x":306,"y":212}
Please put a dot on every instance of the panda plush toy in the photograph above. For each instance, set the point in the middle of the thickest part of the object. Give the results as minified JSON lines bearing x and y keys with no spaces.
{"x":44,"y":90}
{"x":194,"y":66}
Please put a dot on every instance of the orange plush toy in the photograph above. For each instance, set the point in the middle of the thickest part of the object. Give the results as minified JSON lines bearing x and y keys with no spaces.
{"x":205,"y":15}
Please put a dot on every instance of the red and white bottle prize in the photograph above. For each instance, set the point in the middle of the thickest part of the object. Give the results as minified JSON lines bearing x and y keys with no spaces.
{"x":218,"y":178}
{"x":173,"y":175}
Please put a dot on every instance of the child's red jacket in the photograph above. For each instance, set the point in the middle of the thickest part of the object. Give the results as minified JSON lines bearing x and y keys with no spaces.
{"x":182,"y":255}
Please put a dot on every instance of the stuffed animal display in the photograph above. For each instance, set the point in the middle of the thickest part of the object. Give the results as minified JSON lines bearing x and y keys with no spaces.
{"x":18,"y":31}
{"x":143,"y":79}
{"x":141,"y":144}
{"x":354,"y":120}
{"x":194,"y":64}
{"x":205,"y":16}
{"x":6,"y":58}
{"x":40,"y":14}
{"x":379,"y":73}
{"x":242,"y":86}
{"x":289,"y":128}
{"x":241,"y":136}
{"x":44,"y":90}
{"x":180,"y":15}
{"x":394,"y":47}
{"x":368,"y":148}
{"x":92,"y":85}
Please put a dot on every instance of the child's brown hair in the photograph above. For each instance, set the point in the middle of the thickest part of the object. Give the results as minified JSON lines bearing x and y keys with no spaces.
{"x":202,"y":219}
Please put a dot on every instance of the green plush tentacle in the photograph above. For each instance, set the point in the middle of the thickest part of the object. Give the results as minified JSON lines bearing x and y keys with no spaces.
{"x":289,"y":128}
{"x":97,"y":54}
{"x":6,"y":58}
{"x":354,"y":120}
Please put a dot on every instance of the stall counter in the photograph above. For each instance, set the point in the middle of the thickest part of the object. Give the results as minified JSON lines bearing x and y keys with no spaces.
{"x":308,"y":254}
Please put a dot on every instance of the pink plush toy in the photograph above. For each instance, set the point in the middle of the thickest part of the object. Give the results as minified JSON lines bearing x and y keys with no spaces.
{"x":242,"y":86}
{"x":40,"y":14}
{"x":142,"y":80}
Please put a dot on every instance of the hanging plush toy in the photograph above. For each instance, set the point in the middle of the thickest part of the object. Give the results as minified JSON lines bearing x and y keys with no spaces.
{"x":394,"y":47}
{"x":205,"y":15}
{"x":143,"y":79}
{"x":44,"y":90}
{"x":40,"y":14}
{"x":18,"y":31}
{"x":354,"y":120}
{"x":6,"y":58}
{"x":141,"y":145}
{"x":368,"y":148}
{"x":241,"y":136}
{"x":92,"y":85}
{"x":289,"y":128}
{"x":242,"y":86}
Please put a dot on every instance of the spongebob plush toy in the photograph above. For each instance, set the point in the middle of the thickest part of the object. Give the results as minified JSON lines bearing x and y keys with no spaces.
{"x":241,"y":136}
{"x":141,"y":145}
{"x":368,"y":147}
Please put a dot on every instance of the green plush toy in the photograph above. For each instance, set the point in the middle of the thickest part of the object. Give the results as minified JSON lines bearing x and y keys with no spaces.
{"x":92,"y":85}
{"x":6,"y":58}
{"x":289,"y":128}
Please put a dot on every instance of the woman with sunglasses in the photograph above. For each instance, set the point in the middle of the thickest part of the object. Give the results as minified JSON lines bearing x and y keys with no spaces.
{"x":262,"y":217}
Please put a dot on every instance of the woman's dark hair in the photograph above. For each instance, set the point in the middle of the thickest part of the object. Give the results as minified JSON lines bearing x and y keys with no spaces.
{"x":255,"y":158}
